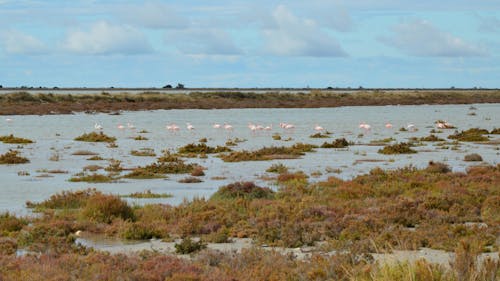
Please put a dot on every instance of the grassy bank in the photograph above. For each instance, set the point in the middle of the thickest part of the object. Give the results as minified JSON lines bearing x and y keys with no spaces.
{"x":27,"y":103}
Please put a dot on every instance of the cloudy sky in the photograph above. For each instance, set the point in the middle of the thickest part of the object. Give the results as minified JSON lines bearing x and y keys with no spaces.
{"x":316,"y":43}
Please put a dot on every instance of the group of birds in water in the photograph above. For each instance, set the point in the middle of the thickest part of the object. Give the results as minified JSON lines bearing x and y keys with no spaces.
{"x":257,"y":127}
{"x":285,"y":126}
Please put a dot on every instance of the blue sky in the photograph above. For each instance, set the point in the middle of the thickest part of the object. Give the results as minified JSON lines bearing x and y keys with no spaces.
{"x":316,"y":43}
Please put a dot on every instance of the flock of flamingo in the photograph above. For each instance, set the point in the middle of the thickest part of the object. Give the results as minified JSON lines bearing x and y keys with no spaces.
{"x":287,"y":127}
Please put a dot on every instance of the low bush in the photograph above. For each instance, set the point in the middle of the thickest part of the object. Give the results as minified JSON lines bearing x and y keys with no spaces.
{"x":399,"y":148}
{"x":188,"y":246}
{"x":338,"y":143}
{"x":12,"y":157}
{"x":12,"y":139}
{"x":95,"y":137}
{"x":245,"y":190}
{"x":473,"y":157}
{"x":202,"y":148}
{"x":105,"y":208}
{"x":277,"y":168}
{"x":470,"y":135}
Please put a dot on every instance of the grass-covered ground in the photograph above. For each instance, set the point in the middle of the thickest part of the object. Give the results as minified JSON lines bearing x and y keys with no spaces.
{"x":405,"y":209}
{"x":19,"y":103}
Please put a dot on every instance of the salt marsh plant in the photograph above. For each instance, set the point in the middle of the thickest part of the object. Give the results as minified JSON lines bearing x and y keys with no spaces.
{"x":398,"y":148}
{"x":95,"y":137}
{"x":12,"y":157}
{"x":15,"y":140}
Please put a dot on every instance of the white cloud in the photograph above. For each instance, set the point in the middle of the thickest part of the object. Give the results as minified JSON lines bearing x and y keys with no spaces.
{"x":16,"y":42}
{"x":153,"y":15}
{"x":199,"y":41}
{"x":421,"y":38}
{"x":104,"y":38}
{"x":293,"y":36}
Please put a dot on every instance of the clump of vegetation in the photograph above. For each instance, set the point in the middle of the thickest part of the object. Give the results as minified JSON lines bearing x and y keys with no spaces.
{"x":84,"y":153}
{"x":203,"y":140}
{"x":473,"y":157}
{"x":188,"y":246}
{"x":147,"y":194}
{"x":140,"y":138}
{"x":198,"y":172}
{"x":12,"y":139}
{"x":278,"y":168}
{"x":104,"y":208}
{"x":276,"y":137}
{"x":431,"y":138}
{"x":95,"y":158}
{"x":470,"y":135}
{"x":92,"y":168}
{"x":95,"y":137}
{"x":143,"y":152}
{"x":114,"y":166}
{"x":319,"y":136}
{"x":65,"y":200}
{"x":438,"y":167}
{"x":337,"y":143}
{"x":398,"y":148}
{"x":10,"y":223}
{"x":166,"y":164}
{"x":92,"y":178}
{"x":202,"y":148}
{"x":495,"y":131}
{"x":234,"y":142}
{"x":269,"y":153}
{"x":12,"y":157}
{"x":382,"y":141}
{"x":245,"y":190}
{"x":190,"y":180}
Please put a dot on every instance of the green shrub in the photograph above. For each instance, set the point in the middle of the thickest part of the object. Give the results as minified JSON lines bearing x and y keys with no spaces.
{"x":470,"y":135}
{"x":246,"y":190}
{"x":95,"y":137}
{"x":338,"y":143}
{"x":188,"y":246}
{"x":12,"y":157}
{"x":473,"y":157}
{"x":12,"y":139}
{"x":398,"y":148}
{"x":105,"y":208}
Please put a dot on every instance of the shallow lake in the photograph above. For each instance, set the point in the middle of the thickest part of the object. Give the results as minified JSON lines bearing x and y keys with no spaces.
{"x":54,"y":134}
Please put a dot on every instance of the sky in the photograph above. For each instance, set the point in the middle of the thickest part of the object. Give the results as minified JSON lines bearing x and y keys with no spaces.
{"x":315,"y":43}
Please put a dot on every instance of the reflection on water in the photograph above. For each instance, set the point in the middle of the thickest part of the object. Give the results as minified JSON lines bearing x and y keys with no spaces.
{"x":54,"y":135}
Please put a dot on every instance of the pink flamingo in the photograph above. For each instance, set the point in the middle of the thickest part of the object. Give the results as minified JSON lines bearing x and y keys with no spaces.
{"x":189,"y":126}
{"x":228,"y":127}
{"x":268,"y":128}
{"x":120,"y":127}
{"x":388,"y":125}
{"x":318,"y":128}
{"x":216,"y":126}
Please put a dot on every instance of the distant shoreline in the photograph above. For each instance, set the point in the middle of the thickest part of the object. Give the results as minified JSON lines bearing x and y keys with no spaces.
{"x":67,"y":101}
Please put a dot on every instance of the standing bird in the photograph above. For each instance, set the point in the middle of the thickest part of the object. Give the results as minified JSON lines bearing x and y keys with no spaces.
{"x":8,"y":120}
{"x":228,"y":127}
{"x":98,"y":127}
{"x":130,"y":126}
{"x":189,"y":126}
{"x":411,"y":128}
{"x":216,"y":126}
{"x":388,"y":125}
{"x":120,"y":127}
{"x":318,"y":128}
